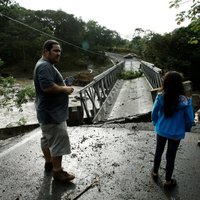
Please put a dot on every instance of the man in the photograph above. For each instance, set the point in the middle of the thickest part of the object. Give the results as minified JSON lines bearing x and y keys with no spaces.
{"x":52,"y":110}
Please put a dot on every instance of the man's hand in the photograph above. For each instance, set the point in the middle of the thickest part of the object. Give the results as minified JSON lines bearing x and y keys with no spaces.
{"x":69,"y":90}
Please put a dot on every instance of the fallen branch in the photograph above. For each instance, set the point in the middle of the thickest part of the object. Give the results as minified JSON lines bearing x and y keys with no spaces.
{"x":94,"y":183}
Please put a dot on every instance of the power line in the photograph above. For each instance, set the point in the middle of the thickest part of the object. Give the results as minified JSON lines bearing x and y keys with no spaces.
{"x":37,"y":30}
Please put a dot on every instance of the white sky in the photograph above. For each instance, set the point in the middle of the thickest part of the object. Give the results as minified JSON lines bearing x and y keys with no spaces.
{"x":122,"y":16}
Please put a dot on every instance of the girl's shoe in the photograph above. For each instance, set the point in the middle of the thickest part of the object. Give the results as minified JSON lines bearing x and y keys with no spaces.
{"x":154,"y":175}
{"x":48,"y":166}
{"x":169,"y":184}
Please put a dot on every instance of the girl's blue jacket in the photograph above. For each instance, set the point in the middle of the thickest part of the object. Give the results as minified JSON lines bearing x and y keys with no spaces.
{"x":181,"y":121}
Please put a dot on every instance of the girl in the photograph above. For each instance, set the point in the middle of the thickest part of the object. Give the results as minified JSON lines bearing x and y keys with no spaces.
{"x":172,"y":116}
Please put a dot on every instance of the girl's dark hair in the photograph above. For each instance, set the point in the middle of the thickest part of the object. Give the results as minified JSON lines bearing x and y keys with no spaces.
{"x":49,"y":44}
{"x":172,"y":88}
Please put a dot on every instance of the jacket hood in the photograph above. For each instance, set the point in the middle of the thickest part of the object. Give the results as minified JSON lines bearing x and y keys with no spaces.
{"x":183,"y":101}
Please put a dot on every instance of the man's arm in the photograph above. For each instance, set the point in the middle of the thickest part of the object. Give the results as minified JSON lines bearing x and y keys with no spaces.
{"x":55,"y":89}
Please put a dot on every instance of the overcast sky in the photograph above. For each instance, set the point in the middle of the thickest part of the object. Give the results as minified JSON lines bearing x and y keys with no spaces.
{"x":122,"y":16}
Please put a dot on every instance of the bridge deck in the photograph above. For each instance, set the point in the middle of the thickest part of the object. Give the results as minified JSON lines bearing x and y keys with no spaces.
{"x":134,"y":97}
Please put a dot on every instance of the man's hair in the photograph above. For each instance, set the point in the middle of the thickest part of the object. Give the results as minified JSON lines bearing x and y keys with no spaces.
{"x":49,"y":44}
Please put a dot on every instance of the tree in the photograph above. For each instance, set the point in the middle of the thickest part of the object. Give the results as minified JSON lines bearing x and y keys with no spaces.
{"x":6,"y":2}
{"x":193,"y":14}
{"x":24,"y":31}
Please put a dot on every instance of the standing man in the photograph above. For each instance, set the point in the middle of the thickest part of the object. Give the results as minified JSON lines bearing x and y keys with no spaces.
{"x":52,"y":110}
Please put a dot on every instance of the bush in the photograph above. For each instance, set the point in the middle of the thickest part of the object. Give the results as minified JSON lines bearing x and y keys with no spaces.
{"x":24,"y":95}
{"x":127,"y":75}
{"x":12,"y":96}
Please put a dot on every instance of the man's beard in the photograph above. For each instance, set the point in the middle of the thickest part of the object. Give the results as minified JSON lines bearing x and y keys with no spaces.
{"x":54,"y":61}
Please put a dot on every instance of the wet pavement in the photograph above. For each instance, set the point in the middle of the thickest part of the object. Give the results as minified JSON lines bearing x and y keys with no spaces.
{"x":112,"y":161}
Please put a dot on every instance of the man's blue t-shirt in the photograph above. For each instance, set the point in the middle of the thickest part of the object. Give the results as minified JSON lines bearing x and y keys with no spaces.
{"x":51,"y":108}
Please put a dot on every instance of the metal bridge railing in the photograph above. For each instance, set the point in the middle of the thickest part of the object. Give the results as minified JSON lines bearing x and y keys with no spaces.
{"x":152,"y":73}
{"x":94,"y":94}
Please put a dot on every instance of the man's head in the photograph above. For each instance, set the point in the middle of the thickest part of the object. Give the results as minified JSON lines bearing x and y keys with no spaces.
{"x":52,"y":51}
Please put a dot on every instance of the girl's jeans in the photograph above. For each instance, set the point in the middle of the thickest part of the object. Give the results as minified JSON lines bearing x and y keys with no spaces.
{"x":172,"y":147}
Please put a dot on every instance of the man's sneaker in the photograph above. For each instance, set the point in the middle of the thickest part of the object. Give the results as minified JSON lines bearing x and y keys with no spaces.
{"x":198,"y":143}
{"x":62,"y":176}
{"x":48,"y":166}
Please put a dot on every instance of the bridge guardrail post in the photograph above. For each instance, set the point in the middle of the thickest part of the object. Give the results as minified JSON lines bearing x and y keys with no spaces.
{"x":93,"y":95}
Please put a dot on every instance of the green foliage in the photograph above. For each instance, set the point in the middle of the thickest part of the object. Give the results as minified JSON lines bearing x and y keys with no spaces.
{"x":172,"y":51}
{"x":22,"y":39}
{"x":22,"y":121}
{"x":193,"y":14}
{"x":7,"y":82}
{"x":1,"y":62}
{"x":7,"y":91}
{"x":12,"y":96}
{"x":24,"y":95}
{"x":127,"y":75}
{"x":6,"y":2}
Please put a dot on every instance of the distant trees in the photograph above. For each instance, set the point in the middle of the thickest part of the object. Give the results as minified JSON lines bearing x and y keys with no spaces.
{"x":23,"y":32}
{"x":171,"y":51}
{"x":178,"y":50}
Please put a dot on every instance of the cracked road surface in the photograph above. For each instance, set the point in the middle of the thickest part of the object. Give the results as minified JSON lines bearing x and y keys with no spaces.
{"x":120,"y":155}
